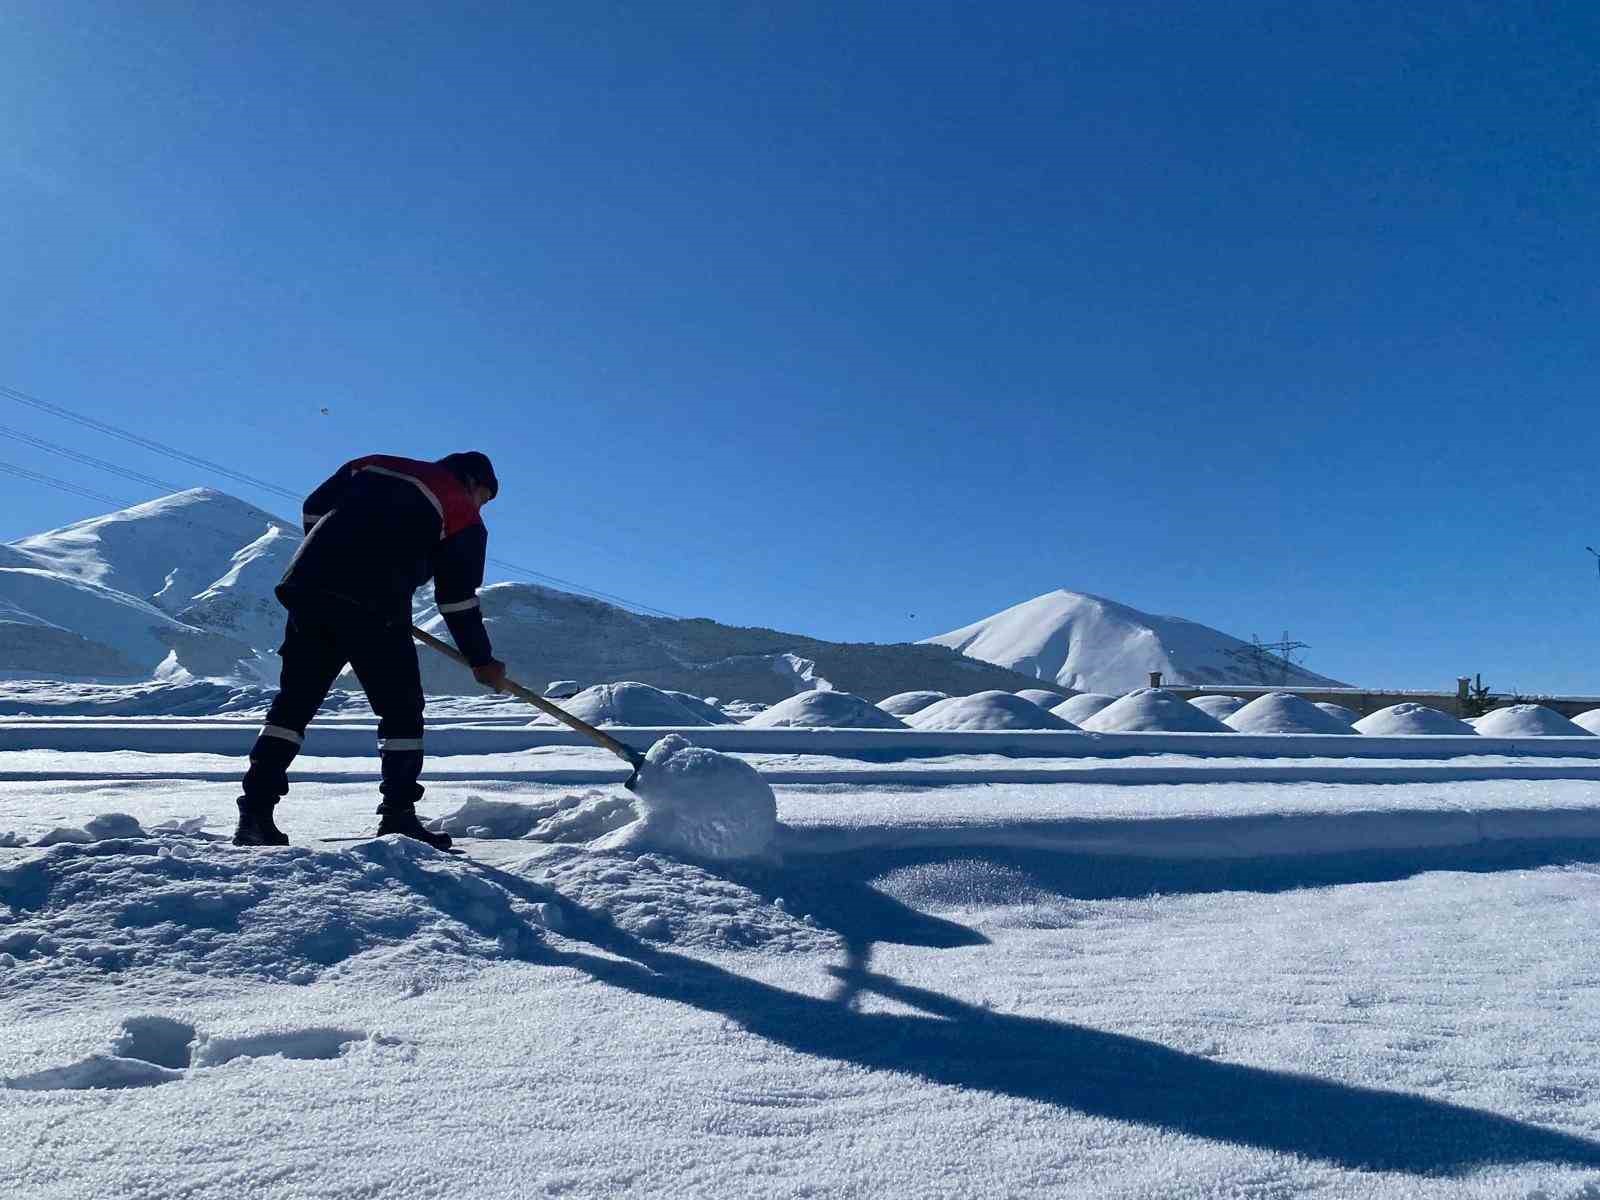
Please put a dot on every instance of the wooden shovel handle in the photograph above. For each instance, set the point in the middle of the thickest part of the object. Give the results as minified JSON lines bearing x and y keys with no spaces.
{"x":627,"y":753}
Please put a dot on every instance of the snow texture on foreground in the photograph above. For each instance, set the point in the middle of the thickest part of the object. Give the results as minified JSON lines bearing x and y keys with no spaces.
{"x":957,"y":1024}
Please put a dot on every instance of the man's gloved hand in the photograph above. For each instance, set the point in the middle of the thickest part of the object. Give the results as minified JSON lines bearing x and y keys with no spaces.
{"x":492,"y":675}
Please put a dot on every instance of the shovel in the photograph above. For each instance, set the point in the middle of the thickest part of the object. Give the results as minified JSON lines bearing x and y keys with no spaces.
{"x":627,"y":753}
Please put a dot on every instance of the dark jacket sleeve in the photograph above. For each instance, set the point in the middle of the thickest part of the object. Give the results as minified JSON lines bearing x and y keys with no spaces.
{"x":326,"y":498}
{"x":457,"y":576}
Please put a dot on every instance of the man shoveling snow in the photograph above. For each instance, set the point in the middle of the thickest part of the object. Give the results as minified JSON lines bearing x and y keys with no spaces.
{"x":376,"y":531}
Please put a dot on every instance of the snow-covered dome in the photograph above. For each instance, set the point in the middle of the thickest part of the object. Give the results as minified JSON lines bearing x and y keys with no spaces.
{"x":825,"y":710}
{"x":1528,"y":720}
{"x":1081,"y":707}
{"x":903,"y":704}
{"x":1284,"y":712}
{"x":629,"y":704}
{"x":1339,"y":712}
{"x":1220,"y":707}
{"x":986,"y":710}
{"x":1408,"y":719}
{"x":1043,"y":698}
{"x":1588,"y":720}
{"x":1153,"y":710}
{"x":703,"y":709}
{"x":562,"y":689}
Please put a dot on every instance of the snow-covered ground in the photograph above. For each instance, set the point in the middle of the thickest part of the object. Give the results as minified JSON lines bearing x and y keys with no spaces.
{"x":1182,"y":980}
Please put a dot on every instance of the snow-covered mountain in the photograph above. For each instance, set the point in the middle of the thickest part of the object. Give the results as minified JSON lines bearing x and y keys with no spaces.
{"x":544,"y":634}
{"x":183,"y":582}
{"x":1092,"y":644}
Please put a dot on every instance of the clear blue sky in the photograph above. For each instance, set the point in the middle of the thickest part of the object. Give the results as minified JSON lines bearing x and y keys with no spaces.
{"x":862,"y":320}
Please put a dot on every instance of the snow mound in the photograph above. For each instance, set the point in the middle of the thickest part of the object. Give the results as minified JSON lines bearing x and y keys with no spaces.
{"x":1401,"y":720}
{"x":704,"y":709}
{"x":571,"y":817}
{"x":699,"y":804}
{"x":1080,"y":708}
{"x":629,"y":704}
{"x":562,"y":689}
{"x":1153,"y":710}
{"x":1339,"y":712}
{"x":97,"y":829}
{"x":986,"y":710}
{"x":1588,"y":720}
{"x":1284,"y":712}
{"x":1220,"y":707}
{"x":903,"y":704}
{"x":286,"y":914}
{"x":664,"y":900}
{"x":825,"y":710}
{"x":1528,"y":720}
{"x":1043,"y":698}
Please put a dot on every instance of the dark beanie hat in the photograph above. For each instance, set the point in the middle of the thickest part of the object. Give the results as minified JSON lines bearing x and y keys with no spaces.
{"x":474,"y":465}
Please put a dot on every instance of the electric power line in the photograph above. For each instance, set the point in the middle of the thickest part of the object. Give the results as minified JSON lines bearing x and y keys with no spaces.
{"x":173,"y":452}
{"x":61,"y":485}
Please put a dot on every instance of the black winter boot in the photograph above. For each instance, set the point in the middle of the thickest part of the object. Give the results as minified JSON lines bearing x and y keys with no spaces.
{"x":256,"y":827}
{"x":404,"y":821}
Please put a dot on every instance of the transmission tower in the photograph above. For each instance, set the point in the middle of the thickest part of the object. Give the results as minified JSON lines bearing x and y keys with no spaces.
{"x":1269,"y":659}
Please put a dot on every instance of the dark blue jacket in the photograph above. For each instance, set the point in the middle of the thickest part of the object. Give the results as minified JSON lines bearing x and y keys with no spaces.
{"x":379,"y":529}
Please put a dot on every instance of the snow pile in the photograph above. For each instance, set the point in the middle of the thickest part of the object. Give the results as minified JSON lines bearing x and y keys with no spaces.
{"x":1080,"y":708}
{"x":629,"y":704}
{"x":1528,"y":720}
{"x":286,"y":914}
{"x":97,"y":829}
{"x":1588,"y":720}
{"x":1339,"y":712}
{"x":1220,"y":707}
{"x":704,"y":709}
{"x":903,"y":704}
{"x":700,"y":804}
{"x":568,"y":817}
{"x":825,"y":710}
{"x":1153,"y":710}
{"x":1284,"y":712}
{"x":1408,"y":719}
{"x":1043,"y":698}
{"x":1090,"y":643}
{"x":562,"y":689}
{"x":986,"y":710}
{"x":664,"y":900}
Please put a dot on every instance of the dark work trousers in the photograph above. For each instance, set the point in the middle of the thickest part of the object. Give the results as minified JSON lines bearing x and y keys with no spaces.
{"x":320,"y":639}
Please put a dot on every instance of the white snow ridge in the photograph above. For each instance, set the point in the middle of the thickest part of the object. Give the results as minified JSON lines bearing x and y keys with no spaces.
{"x":1089,"y":643}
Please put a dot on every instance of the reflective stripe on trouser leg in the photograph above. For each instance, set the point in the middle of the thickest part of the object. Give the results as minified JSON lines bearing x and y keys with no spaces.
{"x":268,"y":774}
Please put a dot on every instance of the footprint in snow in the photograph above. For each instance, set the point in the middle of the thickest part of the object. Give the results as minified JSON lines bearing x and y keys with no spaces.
{"x":152,"y":1050}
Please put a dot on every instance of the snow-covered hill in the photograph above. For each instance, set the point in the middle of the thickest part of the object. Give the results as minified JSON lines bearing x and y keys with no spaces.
{"x":169,"y":582}
{"x":1092,"y":644}
{"x":545,"y":634}
{"x":184,"y":584}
